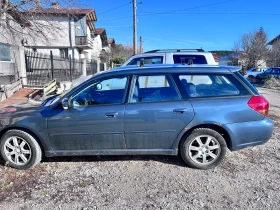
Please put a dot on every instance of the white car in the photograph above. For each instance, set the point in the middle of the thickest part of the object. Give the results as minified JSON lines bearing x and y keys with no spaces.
{"x":172,"y":56}
{"x":253,"y":72}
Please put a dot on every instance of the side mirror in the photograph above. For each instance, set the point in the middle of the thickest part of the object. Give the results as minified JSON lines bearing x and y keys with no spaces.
{"x":65,"y":103}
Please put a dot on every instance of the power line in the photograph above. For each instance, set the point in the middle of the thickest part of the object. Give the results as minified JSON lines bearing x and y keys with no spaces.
{"x":190,"y":8}
{"x":117,"y":26}
{"x":207,"y":13}
{"x":114,"y":8}
{"x":171,"y":11}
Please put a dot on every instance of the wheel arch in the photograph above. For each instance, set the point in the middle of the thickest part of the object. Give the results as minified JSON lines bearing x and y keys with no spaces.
{"x":215,"y":127}
{"x":29,"y":131}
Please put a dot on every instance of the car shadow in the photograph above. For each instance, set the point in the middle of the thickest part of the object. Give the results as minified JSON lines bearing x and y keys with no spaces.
{"x":172,"y":160}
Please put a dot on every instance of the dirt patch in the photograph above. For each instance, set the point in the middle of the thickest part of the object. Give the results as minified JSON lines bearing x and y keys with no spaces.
{"x":14,"y":181}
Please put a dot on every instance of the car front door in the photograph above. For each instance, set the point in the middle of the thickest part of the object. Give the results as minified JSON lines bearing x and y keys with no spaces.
{"x":94,"y":120}
{"x":155,"y":113}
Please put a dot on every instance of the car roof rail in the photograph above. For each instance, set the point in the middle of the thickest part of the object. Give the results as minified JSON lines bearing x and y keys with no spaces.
{"x":175,"y":50}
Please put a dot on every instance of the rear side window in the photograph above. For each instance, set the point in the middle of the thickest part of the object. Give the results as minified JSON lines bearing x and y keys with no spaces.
{"x":153,"y":88}
{"x":194,"y":59}
{"x":209,"y":85}
{"x":147,"y":60}
{"x":247,"y":83}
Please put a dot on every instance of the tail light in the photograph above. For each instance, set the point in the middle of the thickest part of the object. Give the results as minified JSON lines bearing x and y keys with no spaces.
{"x":259,"y":104}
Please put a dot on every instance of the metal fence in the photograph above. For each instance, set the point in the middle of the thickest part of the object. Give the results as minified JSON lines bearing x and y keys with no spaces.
{"x":91,"y":67}
{"x":41,"y":69}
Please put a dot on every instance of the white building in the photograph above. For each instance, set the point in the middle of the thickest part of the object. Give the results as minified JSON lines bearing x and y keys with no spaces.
{"x":66,"y":32}
{"x":100,"y":42}
{"x":11,"y":53}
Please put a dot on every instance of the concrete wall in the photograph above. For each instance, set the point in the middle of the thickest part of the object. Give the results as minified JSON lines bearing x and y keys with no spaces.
{"x":9,"y":36}
{"x":55,"y":31}
{"x":56,"y":52}
{"x":13,"y":70}
{"x":96,"y":47}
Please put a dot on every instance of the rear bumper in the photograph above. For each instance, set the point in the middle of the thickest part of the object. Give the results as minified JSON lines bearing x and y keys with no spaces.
{"x":249,"y":133}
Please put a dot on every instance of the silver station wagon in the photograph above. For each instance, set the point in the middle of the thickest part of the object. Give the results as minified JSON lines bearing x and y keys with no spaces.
{"x":196,"y":112}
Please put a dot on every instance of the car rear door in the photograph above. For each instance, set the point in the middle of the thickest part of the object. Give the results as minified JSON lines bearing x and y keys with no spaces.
{"x":155,"y":113}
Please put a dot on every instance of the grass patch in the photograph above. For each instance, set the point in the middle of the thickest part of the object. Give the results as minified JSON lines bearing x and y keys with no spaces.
{"x":44,"y":193}
{"x":83,"y":184}
{"x":6,"y":186}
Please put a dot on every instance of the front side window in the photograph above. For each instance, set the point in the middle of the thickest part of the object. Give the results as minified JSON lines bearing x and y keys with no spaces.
{"x":275,"y":71}
{"x":210,"y":85}
{"x":152,"y":88}
{"x":106,"y":91}
{"x":147,"y":60}
{"x":268,"y":71}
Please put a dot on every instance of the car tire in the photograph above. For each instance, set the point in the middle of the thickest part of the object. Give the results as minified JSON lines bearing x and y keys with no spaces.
{"x":203,"y":149}
{"x":20,"y":149}
{"x":252,"y":79}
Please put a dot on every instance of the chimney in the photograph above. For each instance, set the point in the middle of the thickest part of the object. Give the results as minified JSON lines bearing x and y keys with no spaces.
{"x":38,"y":4}
{"x":55,"y":5}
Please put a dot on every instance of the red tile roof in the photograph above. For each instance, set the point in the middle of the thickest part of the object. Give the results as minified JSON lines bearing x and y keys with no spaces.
{"x":99,"y":31}
{"x":18,"y":16}
{"x":74,"y":11}
{"x":216,"y":57}
{"x":111,"y":41}
{"x":89,"y":13}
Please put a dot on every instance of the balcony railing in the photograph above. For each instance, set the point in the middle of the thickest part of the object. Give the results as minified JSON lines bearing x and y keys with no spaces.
{"x":81,"y":40}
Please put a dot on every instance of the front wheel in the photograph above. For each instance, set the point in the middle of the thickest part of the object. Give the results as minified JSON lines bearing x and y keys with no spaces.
{"x":252,"y":79}
{"x":20,"y":149}
{"x":203,"y":149}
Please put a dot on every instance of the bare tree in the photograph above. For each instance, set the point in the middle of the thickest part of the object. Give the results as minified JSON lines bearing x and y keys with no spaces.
{"x":117,"y":52}
{"x":19,"y":19}
{"x":274,"y":54}
{"x":252,"y":49}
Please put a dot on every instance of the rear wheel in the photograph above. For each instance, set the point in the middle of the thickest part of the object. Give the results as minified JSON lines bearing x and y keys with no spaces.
{"x":20,"y":149}
{"x":203,"y":149}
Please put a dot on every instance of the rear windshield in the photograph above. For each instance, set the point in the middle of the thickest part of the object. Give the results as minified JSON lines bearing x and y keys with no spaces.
{"x":185,"y":59}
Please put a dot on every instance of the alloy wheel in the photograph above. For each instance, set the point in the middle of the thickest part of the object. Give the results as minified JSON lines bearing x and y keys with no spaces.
{"x":17,"y":150}
{"x":204,"y":149}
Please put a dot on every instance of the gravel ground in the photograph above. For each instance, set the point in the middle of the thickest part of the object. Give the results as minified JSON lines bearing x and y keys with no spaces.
{"x":247,"y":179}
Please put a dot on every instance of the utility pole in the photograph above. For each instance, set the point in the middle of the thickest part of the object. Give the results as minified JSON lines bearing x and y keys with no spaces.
{"x":141,"y":46}
{"x":134,"y":28}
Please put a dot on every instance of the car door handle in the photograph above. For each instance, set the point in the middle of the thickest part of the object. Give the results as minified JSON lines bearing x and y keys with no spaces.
{"x":111,"y":114}
{"x":179,"y":111}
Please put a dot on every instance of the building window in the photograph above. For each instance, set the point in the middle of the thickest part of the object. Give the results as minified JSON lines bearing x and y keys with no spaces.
{"x":63,"y":53}
{"x":5,"y":53}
